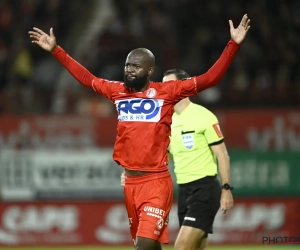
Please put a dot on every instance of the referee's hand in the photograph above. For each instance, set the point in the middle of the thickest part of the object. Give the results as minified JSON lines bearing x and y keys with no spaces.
{"x":226,"y":200}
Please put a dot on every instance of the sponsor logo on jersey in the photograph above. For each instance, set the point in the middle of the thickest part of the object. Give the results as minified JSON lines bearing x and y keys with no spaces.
{"x":154,"y":210}
{"x":139,"y":109}
{"x":188,"y":140}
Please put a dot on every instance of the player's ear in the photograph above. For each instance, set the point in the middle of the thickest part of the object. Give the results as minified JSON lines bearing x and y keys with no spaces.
{"x":150,"y":71}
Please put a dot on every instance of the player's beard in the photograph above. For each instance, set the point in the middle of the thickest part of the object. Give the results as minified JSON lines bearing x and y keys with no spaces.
{"x":136,"y":83}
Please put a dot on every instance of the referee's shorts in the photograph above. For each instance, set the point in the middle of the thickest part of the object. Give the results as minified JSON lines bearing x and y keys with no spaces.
{"x":199,"y":202}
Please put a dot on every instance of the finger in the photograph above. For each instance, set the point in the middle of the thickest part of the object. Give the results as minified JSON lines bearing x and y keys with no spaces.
{"x":33,"y":33}
{"x":223,"y":206}
{"x":35,"y":41}
{"x":231,"y":24}
{"x":247,"y":29}
{"x":35,"y":37}
{"x":39,"y":31}
{"x":51,"y":32}
{"x":244,"y":19}
{"x":247,"y":23}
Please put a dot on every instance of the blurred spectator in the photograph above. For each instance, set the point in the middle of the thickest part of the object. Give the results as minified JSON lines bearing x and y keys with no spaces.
{"x":27,"y":75}
{"x":188,"y":34}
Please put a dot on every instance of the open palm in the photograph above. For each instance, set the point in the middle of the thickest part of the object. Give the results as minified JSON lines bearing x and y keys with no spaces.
{"x":45,"y":41}
{"x":240,"y":32}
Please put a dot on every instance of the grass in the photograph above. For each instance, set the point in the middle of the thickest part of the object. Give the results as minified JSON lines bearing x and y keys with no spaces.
{"x":264,"y":247}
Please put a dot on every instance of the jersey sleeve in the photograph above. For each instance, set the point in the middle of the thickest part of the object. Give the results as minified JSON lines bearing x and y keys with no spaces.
{"x":212,"y":131}
{"x":81,"y":74}
{"x":180,"y":89}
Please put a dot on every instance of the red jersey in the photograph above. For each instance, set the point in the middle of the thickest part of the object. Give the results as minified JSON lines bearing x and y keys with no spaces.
{"x":145,"y":117}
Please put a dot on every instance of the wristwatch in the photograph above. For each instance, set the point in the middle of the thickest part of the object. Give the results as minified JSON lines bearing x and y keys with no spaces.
{"x":226,"y":186}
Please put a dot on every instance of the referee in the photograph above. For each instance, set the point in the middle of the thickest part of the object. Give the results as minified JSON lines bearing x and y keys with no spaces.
{"x":197,"y":147}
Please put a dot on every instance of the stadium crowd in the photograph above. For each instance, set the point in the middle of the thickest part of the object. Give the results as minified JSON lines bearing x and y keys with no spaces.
{"x":187,"y":34}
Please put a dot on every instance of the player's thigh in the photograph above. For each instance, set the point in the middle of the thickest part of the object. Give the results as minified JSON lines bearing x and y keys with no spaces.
{"x":155,"y":202}
{"x":189,"y":238}
{"x":131,"y":210}
{"x":143,"y":243}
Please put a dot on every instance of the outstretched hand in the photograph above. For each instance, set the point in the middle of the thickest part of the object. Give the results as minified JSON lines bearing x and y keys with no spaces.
{"x":240,"y":32}
{"x":45,"y":41}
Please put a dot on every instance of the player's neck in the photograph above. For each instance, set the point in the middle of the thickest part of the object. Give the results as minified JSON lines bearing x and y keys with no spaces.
{"x":181,"y":106}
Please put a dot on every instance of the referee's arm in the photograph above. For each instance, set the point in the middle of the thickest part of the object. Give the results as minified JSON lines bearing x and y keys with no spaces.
{"x":221,"y":153}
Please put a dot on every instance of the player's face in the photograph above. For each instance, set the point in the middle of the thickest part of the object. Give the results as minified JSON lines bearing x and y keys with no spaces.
{"x":171,"y":77}
{"x":135,"y":72}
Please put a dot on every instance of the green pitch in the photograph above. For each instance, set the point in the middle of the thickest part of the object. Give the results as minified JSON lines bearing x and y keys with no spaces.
{"x":265,"y":247}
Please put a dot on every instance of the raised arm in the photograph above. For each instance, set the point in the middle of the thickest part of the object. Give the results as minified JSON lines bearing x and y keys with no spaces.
{"x":81,"y":74}
{"x":216,"y":72}
{"x":184,"y":88}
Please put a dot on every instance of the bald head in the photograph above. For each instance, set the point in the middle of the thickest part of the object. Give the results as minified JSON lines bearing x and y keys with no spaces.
{"x":139,"y":67}
{"x":144,"y":55}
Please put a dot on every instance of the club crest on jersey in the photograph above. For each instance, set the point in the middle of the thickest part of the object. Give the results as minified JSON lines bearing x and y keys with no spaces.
{"x":160,"y":224}
{"x":139,"y":110}
{"x":151,"y":92}
{"x":188,"y":140}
